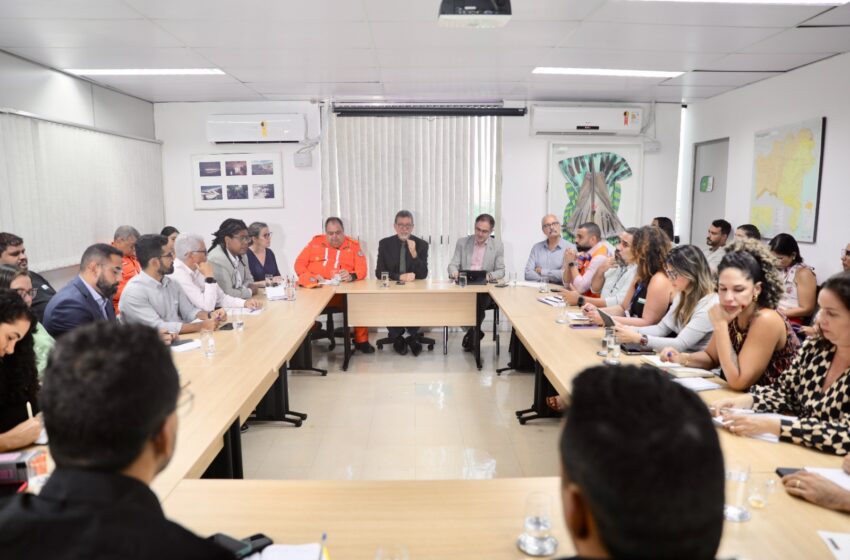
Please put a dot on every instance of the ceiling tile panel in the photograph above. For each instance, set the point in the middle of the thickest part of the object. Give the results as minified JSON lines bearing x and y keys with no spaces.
{"x":629,"y":59}
{"x":735,"y":79}
{"x":304,"y":74}
{"x":269,"y":10}
{"x":695,"y":13}
{"x":83,"y":33}
{"x":454,"y":57}
{"x":390,"y":35}
{"x":762,"y":62}
{"x":839,"y":15}
{"x":269,"y":34}
{"x":70,"y":9}
{"x":282,"y":58}
{"x":805,"y":40}
{"x":456,"y":74}
{"x":122,"y":57}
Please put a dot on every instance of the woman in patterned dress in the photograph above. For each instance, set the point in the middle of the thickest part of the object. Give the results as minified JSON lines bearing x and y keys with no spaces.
{"x":801,"y":284}
{"x":752,"y":342}
{"x":815,"y":389}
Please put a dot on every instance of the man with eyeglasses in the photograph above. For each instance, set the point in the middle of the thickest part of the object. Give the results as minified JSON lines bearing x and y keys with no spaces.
{"x":194,"y":274}
{"x":88,"y":297}
{"x":124,"y":240}
{"x":546,"y":261}
{"x":404,"y":257}
{"x":153,"y":299}
{"x":329,"y":255}
{"x":13,"y":252}
{"x":227,"y":256}
{"x":113,"y":428}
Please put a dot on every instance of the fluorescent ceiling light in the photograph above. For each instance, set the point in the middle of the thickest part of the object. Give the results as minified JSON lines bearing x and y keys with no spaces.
{"x":145,"y":71}
{"x":783,"y":2}
{"x":605,"y":72}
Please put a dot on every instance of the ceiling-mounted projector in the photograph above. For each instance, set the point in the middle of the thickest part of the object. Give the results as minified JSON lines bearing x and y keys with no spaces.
{"x":474,"y":13}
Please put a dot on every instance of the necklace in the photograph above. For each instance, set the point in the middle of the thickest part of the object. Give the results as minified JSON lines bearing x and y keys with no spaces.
{"x":739,"y":334}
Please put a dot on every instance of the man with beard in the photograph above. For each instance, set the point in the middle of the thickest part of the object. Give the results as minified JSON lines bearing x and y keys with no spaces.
{"x":152,"y":299}
{"x":718,"y":233}
{"x":113,"y":428}
{"x":580,"y":264}
{"x":13,"y":252}
{"x":88,"y":297}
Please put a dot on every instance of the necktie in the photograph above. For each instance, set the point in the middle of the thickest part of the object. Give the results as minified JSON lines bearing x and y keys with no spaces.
{"x":402,"y":258}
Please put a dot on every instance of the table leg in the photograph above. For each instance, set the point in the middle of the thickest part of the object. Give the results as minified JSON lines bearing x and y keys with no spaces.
{"x":476,"y":332}
{"x":347,"y":335}
{"x":539,"y":408}
{"x":228,"y":462}
{"x":275,"y":404}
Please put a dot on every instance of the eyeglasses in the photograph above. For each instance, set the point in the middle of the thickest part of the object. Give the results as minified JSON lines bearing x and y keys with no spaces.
{"x":243,"y":239}
{"x":404,"y":226}
{"x":24,"y":293}
{"x":185,"y":401}
{"x":552,"y":225}
{"x":671,"y":274}
{"x":482,"y":231}
{"x":267,"y":235}
{"x":202,"y":251}
{"x":169,"y":255}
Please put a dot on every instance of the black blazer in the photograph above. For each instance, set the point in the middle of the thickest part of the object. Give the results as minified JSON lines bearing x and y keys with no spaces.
{"x":389,"y":249}
{"x":73,"y":306}
{"x":42,"y":296}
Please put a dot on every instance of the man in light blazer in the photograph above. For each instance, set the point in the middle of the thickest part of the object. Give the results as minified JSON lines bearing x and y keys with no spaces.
{"x":479,"y":252}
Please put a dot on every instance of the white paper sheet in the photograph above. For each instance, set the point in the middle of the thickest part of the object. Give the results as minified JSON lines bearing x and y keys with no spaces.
{"x":310,"y":551}
{"x":837,"y":543}
{"x":697,"y":384}
{"x":837,"y":476}
{"x":188,"y":346}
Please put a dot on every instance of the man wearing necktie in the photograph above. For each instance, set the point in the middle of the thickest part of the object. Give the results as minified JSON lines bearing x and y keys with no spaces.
{"x":405,"y":258}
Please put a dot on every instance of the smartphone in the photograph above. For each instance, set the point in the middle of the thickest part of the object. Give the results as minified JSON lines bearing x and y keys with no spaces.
{"x":784,"y":471}
{"x":239,"y":548}
{"x":400,"y":282}
{"x":226,"y":327}
{"x":179,"y":341}
{"x":606,"y":319}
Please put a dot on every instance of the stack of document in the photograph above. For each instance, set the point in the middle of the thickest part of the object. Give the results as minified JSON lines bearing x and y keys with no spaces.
{"x":312,"y":551}
{"x":676,"y":370}
{"x":697,"y":384}
{"x":554,"y":301}
{"x":276,"y":292}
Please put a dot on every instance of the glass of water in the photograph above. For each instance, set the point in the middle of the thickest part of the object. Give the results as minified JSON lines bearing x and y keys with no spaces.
{"x":237,"y":318}
{"x":564,"y":315}
{"x":461,"y":279}
{"x":208,"y":343}
{"x":613,"y":351}
{"x":759,"y":489}
{"x":536,"y":539}
{"x":737,"y":479}
{"x":269,"y":280}
{"x":609,"y":332}
{"x":543,"y":287}
{"x":513,"y":279}
{"x":385,"y":279}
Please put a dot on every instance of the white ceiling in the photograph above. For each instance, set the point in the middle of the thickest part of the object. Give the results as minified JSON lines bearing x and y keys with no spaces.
{"x":394,"y":49}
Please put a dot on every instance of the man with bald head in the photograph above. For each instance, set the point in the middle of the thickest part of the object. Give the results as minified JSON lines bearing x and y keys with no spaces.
{"x":546,"y":261}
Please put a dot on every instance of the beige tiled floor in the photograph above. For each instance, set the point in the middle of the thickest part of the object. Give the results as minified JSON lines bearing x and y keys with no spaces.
{"x":400,"y":417}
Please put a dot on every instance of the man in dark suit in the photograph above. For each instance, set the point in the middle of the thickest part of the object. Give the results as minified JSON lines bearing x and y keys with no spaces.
{"x":88,"y":297}
{"x":13,"y":252}
{"x":110,"y":401}
{"x":405,"y":257}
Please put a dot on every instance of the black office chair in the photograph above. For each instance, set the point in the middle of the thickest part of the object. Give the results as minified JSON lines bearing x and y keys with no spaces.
{"x":329,"y":332}
{"x":420,"y":338}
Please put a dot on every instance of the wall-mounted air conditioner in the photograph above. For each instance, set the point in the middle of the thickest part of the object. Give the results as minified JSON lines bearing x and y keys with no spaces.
{"x":256,"y":129}
{"x":609,"y":121}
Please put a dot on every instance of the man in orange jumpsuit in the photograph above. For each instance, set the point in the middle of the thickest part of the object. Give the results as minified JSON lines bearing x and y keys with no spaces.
{"x":328,"y":255}
{"x":125,"y":241}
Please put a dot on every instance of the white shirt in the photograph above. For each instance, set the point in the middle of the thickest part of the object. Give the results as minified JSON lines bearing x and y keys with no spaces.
{"x":202,"y":295}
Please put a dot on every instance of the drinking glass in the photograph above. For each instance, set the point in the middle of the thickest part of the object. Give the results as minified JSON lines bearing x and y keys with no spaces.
{"x":238,"y":320}
{"x":737,"y":477}
{"x":513,"y":279}
{"x":564,"y":315}
{"x":613,"y":351}
{"x":543,"y":287}
{"x":385,"y":279}
{"x":269,"y":280}
{"x":290,"y":290}
{"x":609,"y":332}
{"x":461,"y":279}
{"x":537,"y":524}
{"x":208,"y":343}
{"x":759,"y":489}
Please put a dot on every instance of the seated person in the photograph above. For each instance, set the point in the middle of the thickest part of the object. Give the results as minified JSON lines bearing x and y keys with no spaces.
{"x":18,"y":376}
{"x":818,"y":490}
{"x":612,"y":279}
{"x":88,"y":297}
{"x":171,"y":233}
{"x":649,"y":297}
{"x":580,"y":264}
{"x":17,"y":279}
{"x":815,"y":388}
{"x":13,"y":252}
{"x":261,"y":259}
{"x":718,"y":234}
{"x":227,"y":256}
{"x":97,"y":503}
{"x":845,"y":258}
{"x":623,"y":430}
{"x":124,"y":240}
{"x":405,"y":258}
{"x":799,"y":295}
{"x":666,"y":225}
{"x":747,"y":231}
{"x":546,"y":261}
{"x":331,"y":254}
{"x":195,"y":276}
{"x":153,"y":299}
{"x":687,"y":318}
{"x":479,"y":252}
{"x":752,"y":343}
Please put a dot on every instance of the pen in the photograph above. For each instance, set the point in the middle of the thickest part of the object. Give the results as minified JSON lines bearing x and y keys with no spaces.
{"x":322,"y":549}
{"x":834,"y":545}
{"x":29,"y":410}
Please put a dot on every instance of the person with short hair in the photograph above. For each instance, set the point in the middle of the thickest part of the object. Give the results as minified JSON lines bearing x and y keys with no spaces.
{"x":479,"y":251}
{"x":111,"y":400}
{"x":747,"y":231}
{"x":753,"y":343}
{"x":261,"y":259}
{"x":334,"y":254}
{"x":613,"y":278}
{"x":799,"y":297}
{"x":17,"y":279}
{"x":718,"y":234}
{"x":13,"y":253}
{"x":686,"y":326}
{"x":814,"y":390}
{"x":405,"y":258}
{"x":124,"y":240}
{"x":666,"y":225}
{"x":155,"y":300}
{"x":227,"y":257}
{"x":18,"y":375}
{"x":171,"y":233}
{"x":845,"y":258}
{"x":546,"y":260}
{"x":581,"y":263}
{"x":624,"y":428}
{"x":88,"y":297}
{"x":196,"y":278}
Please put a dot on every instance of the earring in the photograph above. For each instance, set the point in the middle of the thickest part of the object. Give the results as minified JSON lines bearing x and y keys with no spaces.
{"x":755,"y":297}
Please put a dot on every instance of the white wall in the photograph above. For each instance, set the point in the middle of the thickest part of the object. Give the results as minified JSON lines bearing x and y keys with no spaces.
{"x":26,"y":86}
{"x":182,"y":128}
{"x":821,"y":89}
{"x":525,"y":175}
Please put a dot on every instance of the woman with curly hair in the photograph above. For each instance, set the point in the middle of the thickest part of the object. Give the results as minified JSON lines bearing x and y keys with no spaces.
{"x":18,"y":378}
{"x":650,"y":296}
{"x":17,"y":279}
{"x":752,"y":343}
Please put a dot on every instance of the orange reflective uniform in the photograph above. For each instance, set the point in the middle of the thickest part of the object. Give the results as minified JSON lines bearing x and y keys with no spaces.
{"x":584,"y":264}
{"x":131,"y":267}
{"x":320,"y":259}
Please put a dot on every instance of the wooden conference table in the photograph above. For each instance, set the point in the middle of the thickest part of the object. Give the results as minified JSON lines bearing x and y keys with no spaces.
{"x":439,"y":519}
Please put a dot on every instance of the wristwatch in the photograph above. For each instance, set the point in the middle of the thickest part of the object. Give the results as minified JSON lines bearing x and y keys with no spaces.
{"x":644,"y":340}
{"x":580,"y":301}
{"x":572,"y":264}
{"x":209,"y":280}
